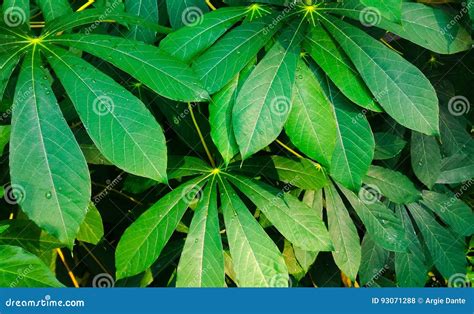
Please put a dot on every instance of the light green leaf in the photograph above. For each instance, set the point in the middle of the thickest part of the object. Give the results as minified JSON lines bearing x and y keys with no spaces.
{"x":454,"y":212}
{"x":446,"y":250}
{"x":19,"y":268}
{"x":187,"y":42}
{"x":394,"y":185}
{"x":48,"y":171}
{"x":5,"y":131}
{"x":52,"y":9}
{"x":264,"y":102}
{"x":183,"y":166}
{"x":148,"y":10}
{"x":92,"y":229}
{"x":425,"y":158}
{"x":337,"y":65}
{"x":389,"y":9}
{"x":143,"y":241}
{"x":296,"y":221}
{"x":311,"y":125}
{"x":202,"y":260}
{"x":257,"y":260}
{"x":347,"y":249}
{"x":401,"y":89}
{"x":119,"y":123}
{"x":164,"y":74}
{"x":298,"y":172}
{"x":373,"y":262}
{"x":381,"y":223}
{"x":387,"y":145}
{"x":219,"y":64}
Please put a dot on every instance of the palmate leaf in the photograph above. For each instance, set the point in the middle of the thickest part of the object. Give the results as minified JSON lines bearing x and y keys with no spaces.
{"x":425,"y":158}
{"x":52,"y":9}
{"x":264,"y":102}
{"x":219,"y":64}
{"x":19,"y":268}
{"x":373,"y":262}
{"x":256,"y":259}
{"x":389,"y":9}
{"x":296,"y":221}
{"x":118,"y":122}
{"x":165,"y":75}
{"x":311,"y":124}
{"x":202,"y":261}
{"x":43,"y":147}
{"x":185,"y":12}
{"x":189,"y":41}
{"x":401,"y":89}
{"x":144,"y":240}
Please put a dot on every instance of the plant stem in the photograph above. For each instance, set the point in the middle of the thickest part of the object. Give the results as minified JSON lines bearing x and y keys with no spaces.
{"x":210,"y":5}
{"x":66,"y":265}
{"x":211,"y":160}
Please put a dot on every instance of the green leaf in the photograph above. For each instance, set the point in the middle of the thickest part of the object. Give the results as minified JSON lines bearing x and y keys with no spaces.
{"x":119,"y":123}
{"x":8,"y":63}
{"x":454,"y":212}
{"x":394,"y":185}
{"x":26,"y":234}
{"x":257,"y":260}
{"x":311,"y":124}
{"x":389,"y":9}
{"x":297,"y":222}
{"x":387,"y":145}
{"x":298,"y":172}
{"x":202,"y":260}
{"x":52,"y":9}
{"x":410,"y":267}
{"x":264,"y":102}
{"x":19,"y":268}
{"x":347,"y":249}
{"x":446,"y":250}
{"x":187,"y":42}
{"x":219,"y":64}
{"x":148,"y":10}
{"x":48,"y":171}
{"x":5,"y":131}
{"x":143,"y":241}
{"x":381,"y":223}
{"x":425,"y":158}
{"x":400,"y":88}
{"x":355,"y":144}
{"x":456,"y":169}
{"x":165,"y":75}
{"x":220,"y":119}
{"x":92,"y":229}
{"x":427,"y":26}
{"x":183,"y":166}
{"x":187,"y":12}
{"x":373,"y":262}
{"x":337,"y":65}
